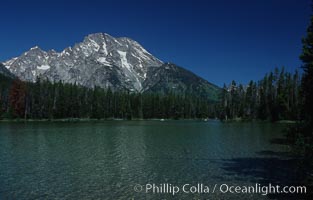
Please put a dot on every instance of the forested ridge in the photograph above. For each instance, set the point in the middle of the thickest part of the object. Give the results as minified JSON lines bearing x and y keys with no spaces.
{"x":275,"y":97}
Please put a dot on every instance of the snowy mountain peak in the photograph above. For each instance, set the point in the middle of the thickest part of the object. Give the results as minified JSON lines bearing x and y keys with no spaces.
{"x":34,"y":48}
{"x":100,"y":59}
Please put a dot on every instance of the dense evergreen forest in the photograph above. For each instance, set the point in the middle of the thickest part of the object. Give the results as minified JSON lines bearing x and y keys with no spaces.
{"x":275,"y":97}
{"x":46,"y":100}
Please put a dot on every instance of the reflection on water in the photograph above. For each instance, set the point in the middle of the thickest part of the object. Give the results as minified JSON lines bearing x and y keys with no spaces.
{"x":105,"y":160}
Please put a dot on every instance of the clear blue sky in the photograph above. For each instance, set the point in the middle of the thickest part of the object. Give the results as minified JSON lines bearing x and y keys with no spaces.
{"x":220,"y":40}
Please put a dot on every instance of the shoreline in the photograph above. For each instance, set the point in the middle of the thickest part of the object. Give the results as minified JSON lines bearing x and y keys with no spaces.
{"x":152,"y":119}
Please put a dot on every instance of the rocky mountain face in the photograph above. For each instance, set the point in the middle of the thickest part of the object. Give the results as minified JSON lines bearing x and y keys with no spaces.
{"x":105,"y":61}
{"x":4,"y":71}
{"x":172,"y":78}
{"x":101,"y":60}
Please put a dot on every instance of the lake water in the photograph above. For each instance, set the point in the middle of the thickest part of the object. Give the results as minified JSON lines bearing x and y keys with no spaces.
{"x":105,"y":160}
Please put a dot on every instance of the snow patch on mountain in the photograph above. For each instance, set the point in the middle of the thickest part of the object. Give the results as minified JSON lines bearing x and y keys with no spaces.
{"x":124,"y":60}
{"x":103,"y":61}
{"x":43,"y":67}
{"x":104,"y":46}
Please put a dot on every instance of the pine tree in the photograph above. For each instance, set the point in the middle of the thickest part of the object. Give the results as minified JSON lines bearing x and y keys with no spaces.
{"x":307,"y":78}
{"x":302,"y":133}
{"x":17,"y":98}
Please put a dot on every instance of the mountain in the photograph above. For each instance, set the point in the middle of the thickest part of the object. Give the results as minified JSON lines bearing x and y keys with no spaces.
{"x":4,"y":71}
{"x":105,"y":61}
{"x":172,"y":78}
{"x":101,"y":59}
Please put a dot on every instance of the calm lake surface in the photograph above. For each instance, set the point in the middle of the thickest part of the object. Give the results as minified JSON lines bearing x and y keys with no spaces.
{"x":105,"y":160}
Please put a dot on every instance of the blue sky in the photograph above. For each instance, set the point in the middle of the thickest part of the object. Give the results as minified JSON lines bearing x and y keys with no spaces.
{"x":220,"y":40}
